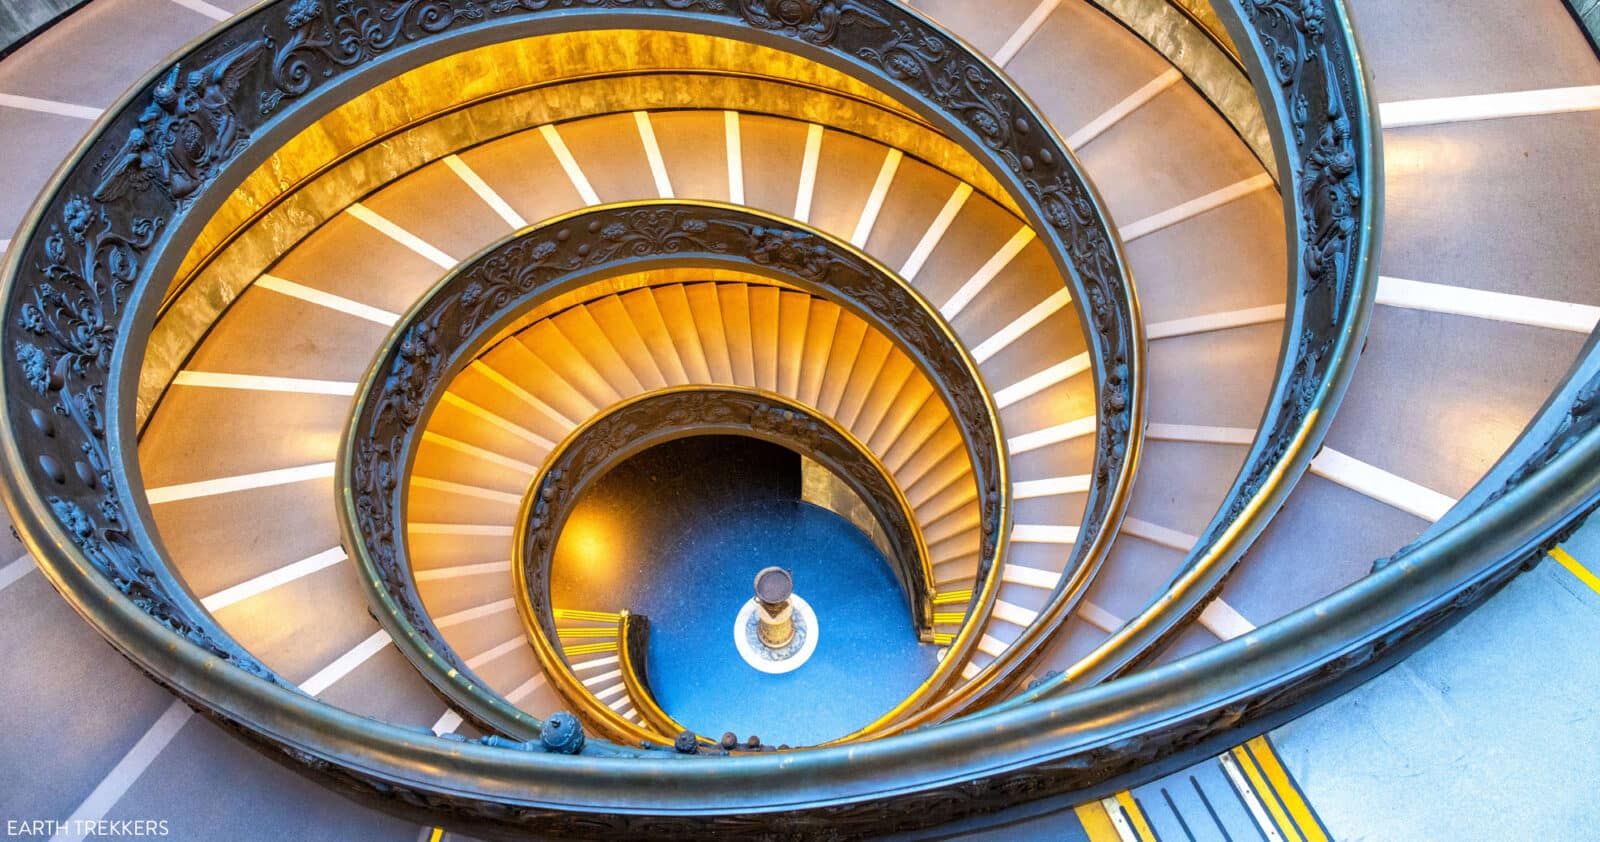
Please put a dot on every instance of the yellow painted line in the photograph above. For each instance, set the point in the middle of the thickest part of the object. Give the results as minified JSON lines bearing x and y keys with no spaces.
{"x":1097,"y":823}
{"x":953,"y":597}
{"x":596,"y":616}
{"x":1265,"y":792}
{"x":1285,"y":788}
{"x":943,"y":639}
{"x":948,"y":618}
{"x":436,"y":835}
{"x":1584,"y":574}
{"x":592,"y":631}
{"x":591,"y":648}
{"x":1136,"y":815}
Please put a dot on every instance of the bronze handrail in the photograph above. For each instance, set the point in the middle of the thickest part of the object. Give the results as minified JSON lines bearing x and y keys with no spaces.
{"x":1304,"y":59}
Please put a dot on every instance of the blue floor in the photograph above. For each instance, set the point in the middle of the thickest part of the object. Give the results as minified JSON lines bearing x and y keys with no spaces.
{"x":710,"y":512}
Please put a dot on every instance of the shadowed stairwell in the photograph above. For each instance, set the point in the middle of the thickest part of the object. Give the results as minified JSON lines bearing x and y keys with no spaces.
{"x":678,"y":533}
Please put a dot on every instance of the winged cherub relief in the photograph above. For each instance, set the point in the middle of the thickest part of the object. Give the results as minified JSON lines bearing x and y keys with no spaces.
{"x":186,"y":133}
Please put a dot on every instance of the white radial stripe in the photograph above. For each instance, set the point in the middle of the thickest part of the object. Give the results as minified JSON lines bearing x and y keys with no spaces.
{"x":1241,"y":785}
{"x":1099,"y":617}
{"x":494,"y":200}
{"x":1024,"y":323}
{"x":490,"y":530}
{"x":400,"y":235}
{"x":1200,"y":434}
{"x":461,"y":570}
{"x":1032,"y":533}
{"x":478,"y":613}
{"x":808,"y":173}
{"x":122,"y":776}
{"x":1215,"y":321}
{"x":447,"y":723}
{"x":730,"y":130}
{"x":520,"y":393}
{"x":1381,"y":485}
{"x":466,"y":490}
{"x":204,"y":8}
{"x":1222,"y":620}
{"x":498,"y":650}
{"x":991,"y":645}
{"x":1014,"y":614}
{"x":1117,"y":113}
{"x":1181,"y":541}
{"x":1030,"y":386}
{"x":1051,"y":435}
{"x":652,"y":154}
{"x":595,"y":663}
{"x":1029,"y":489}
{"x":345,"y":664}
{"x":525,"y":689}
{"x":602,"y":678}
{"x":1460,"y":109}
{"x":1195,"y":207}
{"x":621,"y":702}
{"x":1030,"y":25}
{"x":267,"y":581}
{"x":50,"y":106}
{"x":328,"y":300}
{"x":1031,"y":577}
{"x":986,"y":273}
{"x":569,"y":164}
{"x":16,"y":570}
{"x":485,"y":455}
{"x":968,"y":670}
{"x":935,"y":233}
{"x":610,"y":692}
{"x":263,"y":383}
{"x":631,"y":715}
{"x":1482,"y":304}
{"x":241,"y":482}
{"x":4,"y":244}
{"x":494,"y":420}
{"x":875,"y":199}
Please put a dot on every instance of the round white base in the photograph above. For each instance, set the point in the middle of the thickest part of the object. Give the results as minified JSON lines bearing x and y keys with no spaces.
{"x":776,"y":662}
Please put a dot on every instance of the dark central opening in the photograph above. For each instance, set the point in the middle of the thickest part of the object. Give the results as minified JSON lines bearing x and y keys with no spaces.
{"x":679,"y":532}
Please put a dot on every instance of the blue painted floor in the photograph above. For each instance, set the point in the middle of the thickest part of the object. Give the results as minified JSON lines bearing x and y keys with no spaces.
{"x":684,"y":527}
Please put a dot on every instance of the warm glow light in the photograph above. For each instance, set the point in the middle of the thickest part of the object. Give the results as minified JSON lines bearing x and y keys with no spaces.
{"x":588,"y":544}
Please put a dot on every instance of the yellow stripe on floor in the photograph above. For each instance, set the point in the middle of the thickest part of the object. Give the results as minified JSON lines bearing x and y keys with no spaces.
{"x":1097,"y":823}
{"x":1576,"y":567}
{"x":1264,"y":792}
{"x":436,"y":835}
{"x":1278,"y":777}
{"x":1136,"y":816}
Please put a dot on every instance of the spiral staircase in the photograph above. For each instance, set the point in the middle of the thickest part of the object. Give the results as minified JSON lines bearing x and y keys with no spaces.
{"x":322,"y":318}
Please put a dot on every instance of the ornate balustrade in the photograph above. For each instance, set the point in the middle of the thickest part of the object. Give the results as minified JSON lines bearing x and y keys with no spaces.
{"x":1306,"y":67}
{"x":85,"y":275}
{"x":456,"y":320}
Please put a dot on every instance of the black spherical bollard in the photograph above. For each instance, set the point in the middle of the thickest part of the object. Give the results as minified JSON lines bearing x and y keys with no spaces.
{"x":687,"y":743}
{"x":562,"y":734}
{"x":729,"y":741}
